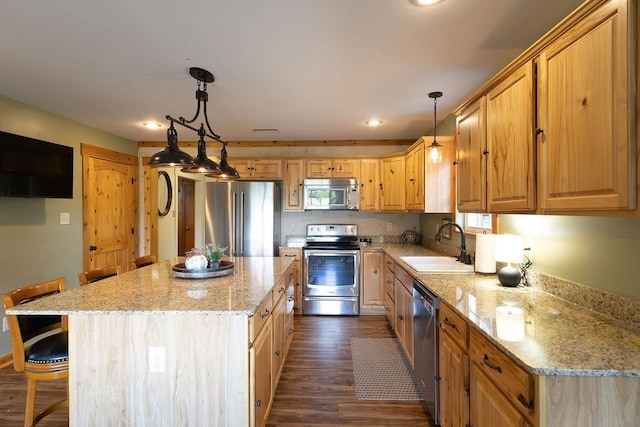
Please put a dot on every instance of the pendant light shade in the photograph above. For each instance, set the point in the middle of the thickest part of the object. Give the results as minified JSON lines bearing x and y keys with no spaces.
{"x":203,"y":164}
{"x":229,"y":173}
{"x":435,"y":152}
{"x":171,"y":155}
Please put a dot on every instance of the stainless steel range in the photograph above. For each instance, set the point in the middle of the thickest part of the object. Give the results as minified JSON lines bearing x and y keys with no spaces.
{"x":331,"y":270}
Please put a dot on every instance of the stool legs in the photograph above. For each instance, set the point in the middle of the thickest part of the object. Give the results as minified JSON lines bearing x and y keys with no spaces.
{"x":31,"y":402}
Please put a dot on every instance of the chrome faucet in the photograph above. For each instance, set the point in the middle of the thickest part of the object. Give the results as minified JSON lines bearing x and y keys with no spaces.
{"x":464,"y":257}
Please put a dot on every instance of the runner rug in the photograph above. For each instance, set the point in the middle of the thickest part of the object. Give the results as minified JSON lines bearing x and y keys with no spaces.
{"x":381,"y":370}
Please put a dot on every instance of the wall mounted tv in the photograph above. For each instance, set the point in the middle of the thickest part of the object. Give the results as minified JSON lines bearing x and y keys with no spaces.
{"x":34,"y":168}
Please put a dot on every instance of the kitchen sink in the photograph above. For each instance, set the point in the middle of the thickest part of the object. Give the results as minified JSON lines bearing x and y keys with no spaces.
{"x":436,"y":264}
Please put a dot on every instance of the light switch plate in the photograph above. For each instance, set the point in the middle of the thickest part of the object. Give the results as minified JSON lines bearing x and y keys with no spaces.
{"x":64,"y":218}
{"x":156,"y":359}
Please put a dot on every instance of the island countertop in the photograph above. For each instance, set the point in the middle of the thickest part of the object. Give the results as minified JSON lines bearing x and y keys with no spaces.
{"x":561,"y":338}
{"x":154,"y":290}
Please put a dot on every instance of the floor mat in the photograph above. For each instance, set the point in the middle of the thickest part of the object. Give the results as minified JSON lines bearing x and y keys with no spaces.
{"x":381,"y":370}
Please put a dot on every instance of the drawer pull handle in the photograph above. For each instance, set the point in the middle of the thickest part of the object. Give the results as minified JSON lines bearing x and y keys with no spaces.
{"x":485,"y":360}
{"x":277,"y":352}
{"x":281,"y":290}
{"x":265,"y":314}
{"x":401,"y":317}
{"x":528,"y":405}
{"x":450,"y":323}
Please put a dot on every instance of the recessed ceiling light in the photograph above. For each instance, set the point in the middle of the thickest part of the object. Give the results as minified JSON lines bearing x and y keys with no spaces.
{"x":152,"y":125}
{"x":374,"y":122}
{"x":426,"y":2}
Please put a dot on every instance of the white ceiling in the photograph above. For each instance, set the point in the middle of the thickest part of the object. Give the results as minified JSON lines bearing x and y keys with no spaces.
{"x":314,"y":69}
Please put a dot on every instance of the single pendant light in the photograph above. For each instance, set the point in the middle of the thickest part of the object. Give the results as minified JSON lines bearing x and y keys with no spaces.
{"x":435,"y":152}
{"x":229,"y":173}
{"x":171,"y":155}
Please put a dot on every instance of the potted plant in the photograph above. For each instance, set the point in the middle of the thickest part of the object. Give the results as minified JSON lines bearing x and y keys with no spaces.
{"x":214,"y":253}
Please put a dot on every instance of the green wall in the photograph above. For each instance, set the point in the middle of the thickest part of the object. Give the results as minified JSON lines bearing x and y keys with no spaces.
{"x":34,"y":246}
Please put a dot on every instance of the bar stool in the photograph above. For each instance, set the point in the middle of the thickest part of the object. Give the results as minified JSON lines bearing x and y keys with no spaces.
{"x":46,"y":355}
{"x":143,"y":261}
{"x":91,"y":276}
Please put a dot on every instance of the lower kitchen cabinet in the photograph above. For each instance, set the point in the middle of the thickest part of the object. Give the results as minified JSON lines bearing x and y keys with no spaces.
{"x":404,"y":310}
{"x":260,"y":374}
{"x":296,"y":254}
{"x":372,"y":278}
{"x":454,"y":369}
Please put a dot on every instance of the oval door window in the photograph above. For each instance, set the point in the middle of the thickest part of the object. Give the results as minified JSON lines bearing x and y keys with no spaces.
{"x":165,"y":193}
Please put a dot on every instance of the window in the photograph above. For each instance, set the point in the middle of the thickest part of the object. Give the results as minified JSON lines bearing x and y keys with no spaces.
{"x":477,"y":223}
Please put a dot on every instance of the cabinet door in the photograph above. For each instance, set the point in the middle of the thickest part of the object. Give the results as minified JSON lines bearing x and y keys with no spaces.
{"x":243,"y":167}
{"x":511,"y":182}
{"x":296,"y":254}
{"x":489,"y":408}
{"x":372,"y":277}
{"x":393,"y":193}
{"x":260,"y":355}
{"x":369,"y":185}
{"x":293,"y":180}
{"x":414,"y":179}
{"x":318,"y":168}
{"x":454,"y":377}
{"x":390,"y":309}
{"x":586,"y":153}
{"x":401,"y":315}
{"x":471,"y":158}
{"x":279,"y":343}
{"x":266,"y":169}
{"x":343,"y":168}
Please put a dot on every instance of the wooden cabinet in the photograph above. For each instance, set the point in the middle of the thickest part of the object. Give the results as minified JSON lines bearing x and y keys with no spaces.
{"x":388,"y":299}
{"x":511,"y":176}
{"x":585,"y":148}
{"x":279,"y":342}
{"x":370,"y":185}
{"x":471,"y":165}
{"x":393,"y":179}
{"x":296,"y":254}
{"x":439,"y":187}
{"x":501,"y":391}
{"x":338,"y":168}
{"x":404,"y":310}
{"x":260,"y":373}
{"x":262,"y":168}
{"x":372,"y":278}
{"x":454,"y":368}
{"x":293,"y":180}
{"x":414,"y":177}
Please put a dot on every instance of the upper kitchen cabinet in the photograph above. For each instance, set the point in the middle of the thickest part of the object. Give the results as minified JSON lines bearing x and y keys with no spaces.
{"x":510,"y":143}
{"x":263,"y":168}
{"x":392,"y":186}
{"x":293,"y":180}
{"x":339,"y":168}
{"x":414,"y":177}
{"x":586,"y":114}
{"x":370,"y":185}
{"x":471,"y":158}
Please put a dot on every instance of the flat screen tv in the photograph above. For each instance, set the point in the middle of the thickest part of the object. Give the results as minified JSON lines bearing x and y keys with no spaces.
{"x":34,"y":168}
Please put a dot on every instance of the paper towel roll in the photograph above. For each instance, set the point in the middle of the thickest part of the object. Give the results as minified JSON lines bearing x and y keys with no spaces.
{"x":485,"y":253}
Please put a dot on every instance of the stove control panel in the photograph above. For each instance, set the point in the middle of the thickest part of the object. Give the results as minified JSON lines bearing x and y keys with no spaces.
{"x":332,"y":230}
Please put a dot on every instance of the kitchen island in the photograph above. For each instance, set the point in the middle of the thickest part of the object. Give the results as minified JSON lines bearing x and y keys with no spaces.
{"x":146,"y":348}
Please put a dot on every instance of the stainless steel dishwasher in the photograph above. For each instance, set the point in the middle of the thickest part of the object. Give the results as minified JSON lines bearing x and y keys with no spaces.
{"x":425,"y":347}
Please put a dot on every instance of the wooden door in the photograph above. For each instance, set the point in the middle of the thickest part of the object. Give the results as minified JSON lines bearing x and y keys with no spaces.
{"x":186,"y":215}
{"x":318,"y":168}
{"x":471,"y":158}
{"x":393,"y":176}
{"x":343,"y":168}
{"x":586,"y":147}
{"x":414,"y":179}
{"x":293,"y":179}
{"x":266,"y":169}
{"x":110,"y":209}
{"x":454,"y":398}
{"x":369,"y":185}
{"x":372,"y":277}
{"x":260,"y":371}
{"x":511,"y":172}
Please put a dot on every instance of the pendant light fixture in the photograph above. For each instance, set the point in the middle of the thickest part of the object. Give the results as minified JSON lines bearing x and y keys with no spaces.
{"x":229,"y":173}
{"x":172,"y":155}
{"x":435,"y":152}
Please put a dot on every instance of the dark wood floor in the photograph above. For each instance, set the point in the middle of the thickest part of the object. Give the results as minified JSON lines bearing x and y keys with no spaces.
{"x":316,"y":387}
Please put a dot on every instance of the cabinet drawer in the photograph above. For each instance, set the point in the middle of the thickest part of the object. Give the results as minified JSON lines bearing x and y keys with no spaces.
{"x":514,"y":381}
{"x":389,"y":263}
{"x":454,"y":325}
{"x":389,"y":280}
{"x":260,"y":317}
{"x":404,"y":277}
{"x":390,"y":309}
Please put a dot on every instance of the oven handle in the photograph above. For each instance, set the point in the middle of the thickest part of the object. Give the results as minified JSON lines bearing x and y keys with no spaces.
{"x":331,"y":252}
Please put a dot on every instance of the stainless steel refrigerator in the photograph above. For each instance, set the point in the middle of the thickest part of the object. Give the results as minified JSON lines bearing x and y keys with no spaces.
{"x":244,"y":216}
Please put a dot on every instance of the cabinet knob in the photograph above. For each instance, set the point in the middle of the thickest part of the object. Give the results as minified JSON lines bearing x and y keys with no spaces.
{"x":539,"y":131}
{"x":485,"y":151}
{"x":258,"y":403}
{"x":455,"y":162}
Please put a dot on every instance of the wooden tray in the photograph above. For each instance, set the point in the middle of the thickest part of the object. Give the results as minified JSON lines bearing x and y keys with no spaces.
{"x":181,"y":272}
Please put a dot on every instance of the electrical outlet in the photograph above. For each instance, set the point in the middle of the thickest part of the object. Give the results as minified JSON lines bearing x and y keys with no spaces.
{"x":5,"y":324}
{"x":389,"y":226}
{"x":64,"y":218}
{"x":156,"y":359}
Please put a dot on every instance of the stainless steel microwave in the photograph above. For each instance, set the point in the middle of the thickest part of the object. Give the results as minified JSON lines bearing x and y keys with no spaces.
{"x":331,"y":194}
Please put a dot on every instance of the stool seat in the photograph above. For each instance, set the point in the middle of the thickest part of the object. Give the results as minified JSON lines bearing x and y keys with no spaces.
{"x":52,"y":349}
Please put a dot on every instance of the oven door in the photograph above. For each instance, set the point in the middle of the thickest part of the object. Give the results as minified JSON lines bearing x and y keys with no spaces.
{"x":331,"y":272}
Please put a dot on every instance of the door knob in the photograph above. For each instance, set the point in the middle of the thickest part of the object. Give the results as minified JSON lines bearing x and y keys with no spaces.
{"x":93,"y":248}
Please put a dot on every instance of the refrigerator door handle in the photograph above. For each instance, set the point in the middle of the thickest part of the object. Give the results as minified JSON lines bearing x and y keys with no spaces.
{"x":234,"y":239}
{"x":241,"y":229}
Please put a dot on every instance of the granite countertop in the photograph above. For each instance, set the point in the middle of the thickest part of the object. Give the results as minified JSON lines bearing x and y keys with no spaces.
{"x":154,"y":290}
{"x":561,"y":338}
